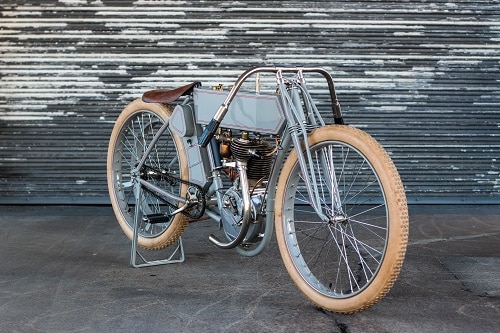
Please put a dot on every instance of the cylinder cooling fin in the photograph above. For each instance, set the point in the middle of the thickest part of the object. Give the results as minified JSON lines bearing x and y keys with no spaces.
{"x":257,"y":153}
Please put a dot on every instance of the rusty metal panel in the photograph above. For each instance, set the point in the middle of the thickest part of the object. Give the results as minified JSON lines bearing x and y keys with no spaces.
{"x":422,"y":77}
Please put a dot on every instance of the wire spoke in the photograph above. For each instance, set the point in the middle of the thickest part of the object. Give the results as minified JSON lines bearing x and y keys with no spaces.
{"x":339,"y":257}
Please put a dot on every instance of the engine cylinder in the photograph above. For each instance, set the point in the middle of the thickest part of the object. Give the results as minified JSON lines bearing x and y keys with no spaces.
{"x":257,"y":153}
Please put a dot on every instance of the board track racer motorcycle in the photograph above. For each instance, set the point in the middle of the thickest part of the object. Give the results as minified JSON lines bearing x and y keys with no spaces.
{"x":254,"y":162}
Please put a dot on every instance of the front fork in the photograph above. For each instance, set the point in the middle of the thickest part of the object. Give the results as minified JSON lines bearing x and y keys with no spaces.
{"x":299,"y":127}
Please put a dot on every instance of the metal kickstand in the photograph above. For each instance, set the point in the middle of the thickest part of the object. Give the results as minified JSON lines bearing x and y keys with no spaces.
{"x":175,"y":253}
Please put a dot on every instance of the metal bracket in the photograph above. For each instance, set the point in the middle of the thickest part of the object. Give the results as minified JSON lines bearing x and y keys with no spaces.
{"x":175,"y":253}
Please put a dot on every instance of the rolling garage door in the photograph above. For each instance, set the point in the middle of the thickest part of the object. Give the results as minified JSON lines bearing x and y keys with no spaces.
{"x":422,"y":77}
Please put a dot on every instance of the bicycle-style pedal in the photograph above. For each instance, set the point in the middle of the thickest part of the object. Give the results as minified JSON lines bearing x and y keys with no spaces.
{"x":156,"y":218}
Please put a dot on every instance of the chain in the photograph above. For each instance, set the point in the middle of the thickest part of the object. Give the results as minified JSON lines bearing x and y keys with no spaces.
{"x":196,"y":211}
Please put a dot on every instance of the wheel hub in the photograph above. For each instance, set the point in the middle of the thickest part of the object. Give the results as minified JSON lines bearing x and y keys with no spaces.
{"x":340,"y":218}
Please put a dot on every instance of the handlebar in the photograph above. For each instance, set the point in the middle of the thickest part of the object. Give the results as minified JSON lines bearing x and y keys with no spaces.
{"x":213,"y":125}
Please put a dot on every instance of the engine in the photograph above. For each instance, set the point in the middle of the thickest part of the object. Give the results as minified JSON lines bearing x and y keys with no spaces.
{"x":258,"y":155}
{"x":231,"y":214}
{"x":256,"y":152}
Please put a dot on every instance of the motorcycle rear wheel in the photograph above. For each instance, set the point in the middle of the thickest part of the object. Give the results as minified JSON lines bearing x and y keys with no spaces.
{"x":131,"y":135}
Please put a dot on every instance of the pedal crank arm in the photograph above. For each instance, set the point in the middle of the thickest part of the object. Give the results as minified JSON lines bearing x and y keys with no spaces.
{"x":164,"y":218}
{"x":187,"y":205}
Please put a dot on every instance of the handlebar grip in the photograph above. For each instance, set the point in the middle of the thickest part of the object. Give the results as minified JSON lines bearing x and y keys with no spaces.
{"x":208,"y":133}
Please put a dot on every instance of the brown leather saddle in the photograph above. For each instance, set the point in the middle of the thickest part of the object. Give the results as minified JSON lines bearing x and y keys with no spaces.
{"x":168,"y":95}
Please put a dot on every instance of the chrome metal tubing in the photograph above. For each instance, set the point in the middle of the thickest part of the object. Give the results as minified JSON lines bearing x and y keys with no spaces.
{"x":210,"y":130}
{"x":245,"y":221}
{"x":221,"y":112}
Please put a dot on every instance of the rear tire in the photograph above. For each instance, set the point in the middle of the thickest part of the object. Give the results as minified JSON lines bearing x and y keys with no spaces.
{"x":132,"y":134}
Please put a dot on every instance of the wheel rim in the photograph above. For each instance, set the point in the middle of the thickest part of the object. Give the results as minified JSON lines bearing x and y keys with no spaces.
{"x":341,"y":257}
{"x":131,"y":143}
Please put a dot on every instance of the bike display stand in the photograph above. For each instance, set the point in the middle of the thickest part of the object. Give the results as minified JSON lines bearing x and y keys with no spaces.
{"x":138,"y":260}
{"x":174,"y":253}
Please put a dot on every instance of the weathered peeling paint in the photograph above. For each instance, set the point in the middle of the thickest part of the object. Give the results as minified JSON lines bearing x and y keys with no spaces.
{"x":422,"y":77}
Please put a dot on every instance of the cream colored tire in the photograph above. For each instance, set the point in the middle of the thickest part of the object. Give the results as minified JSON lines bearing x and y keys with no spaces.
{"x":349,"y":262}
{"x":131,"y":135}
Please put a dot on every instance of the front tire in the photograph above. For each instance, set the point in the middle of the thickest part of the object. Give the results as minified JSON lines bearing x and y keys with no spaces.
{"x":350,"y":262}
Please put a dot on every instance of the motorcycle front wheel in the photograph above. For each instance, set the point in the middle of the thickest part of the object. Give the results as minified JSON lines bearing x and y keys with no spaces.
{"x":350,"y":261}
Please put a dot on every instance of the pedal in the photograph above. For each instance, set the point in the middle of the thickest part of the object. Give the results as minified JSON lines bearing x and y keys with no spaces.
{"x":156,"y":218}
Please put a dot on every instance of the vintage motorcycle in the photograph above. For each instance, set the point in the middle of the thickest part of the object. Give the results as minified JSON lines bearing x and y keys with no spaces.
{"x":252,"y":161}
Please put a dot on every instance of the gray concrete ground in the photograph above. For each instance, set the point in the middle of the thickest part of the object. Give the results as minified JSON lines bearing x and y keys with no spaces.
{"x":66,"y":269}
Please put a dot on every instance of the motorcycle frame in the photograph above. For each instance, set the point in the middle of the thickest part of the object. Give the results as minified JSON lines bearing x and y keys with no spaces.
{"x":299,"y":123}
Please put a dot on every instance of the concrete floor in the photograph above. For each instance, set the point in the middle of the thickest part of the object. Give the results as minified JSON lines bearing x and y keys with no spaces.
{"x":66,"y":269}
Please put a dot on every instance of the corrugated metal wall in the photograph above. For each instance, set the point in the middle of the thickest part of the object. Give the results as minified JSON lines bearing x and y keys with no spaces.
{"x":421,"y":76}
